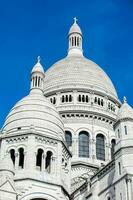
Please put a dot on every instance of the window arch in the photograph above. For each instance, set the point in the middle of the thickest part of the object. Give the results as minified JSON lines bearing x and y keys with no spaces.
{"x":112,"y":148}
{"x":21,"y":157}
{"x":12,"y":155}
{"x":48,"y":161}
{"x":39,"y":159}
{"x":84,"y":144}
{"x":68,"y":137}
{"x":100,"y":147}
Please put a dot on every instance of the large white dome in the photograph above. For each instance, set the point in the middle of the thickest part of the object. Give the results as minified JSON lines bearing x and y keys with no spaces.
{"x":34,"y":112}
{"x":77,"y":72}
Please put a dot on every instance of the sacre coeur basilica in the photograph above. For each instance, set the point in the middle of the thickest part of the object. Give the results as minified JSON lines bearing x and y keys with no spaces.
{"x":70,"y":138}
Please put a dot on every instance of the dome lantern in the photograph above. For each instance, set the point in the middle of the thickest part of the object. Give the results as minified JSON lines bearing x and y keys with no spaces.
{"x":75,"y":40}
{"x":37,"y":77}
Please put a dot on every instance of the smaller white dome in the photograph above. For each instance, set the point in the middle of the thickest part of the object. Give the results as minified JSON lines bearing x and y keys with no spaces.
{"x":75,"y":28}
{"x":38,"y":67}
{"x":125,"y":112}
{"x":6,"y":164}
{"x":37,"y":113}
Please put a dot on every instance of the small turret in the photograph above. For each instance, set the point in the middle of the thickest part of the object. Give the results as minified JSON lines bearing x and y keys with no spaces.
{"x":37,"y":77}
{"x":124,"y":139}
{"x":75,"y":40}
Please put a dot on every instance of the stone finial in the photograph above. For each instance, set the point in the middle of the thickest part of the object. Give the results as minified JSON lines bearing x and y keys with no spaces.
{"x":38,"y":59}
{"x":75,"y":20}
{"x":124,"y":99}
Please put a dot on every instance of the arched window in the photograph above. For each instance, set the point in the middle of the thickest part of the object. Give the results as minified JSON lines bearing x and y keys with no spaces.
{"x":83,"y":98}
{"x":21,"y":157}
{"x":84,"y":144}
{"x":75,"y":41}
{"x":78,"y":41}
{"x":100,"y":147}
{"x":35,"y":81}
{"x":112,"y":148}
{"x":38,"y":81}
{"x":63,"y":99}
{"x":72,"y":41}
{"x":48,"y":161}
{"x":95,"y":100}
{"x":39,"y":159}
{"x":102,"y":102}
{"x":66,"y":98}
{"x":68,"y":137}
{"x":99,"y":101}
{"x":54,"y":100}
{"x":70,"y":98}
{"x":87,"y":99}
{"x":12,"y":155}
{"x":79,"y":98}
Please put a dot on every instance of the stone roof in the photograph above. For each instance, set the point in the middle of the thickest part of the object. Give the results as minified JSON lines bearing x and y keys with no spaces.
{"x":125,"y":112}
{"x":75,"y":29}
{"x":38,"y":67}
{"x":77,"y":72}
{"x":34,"y":111}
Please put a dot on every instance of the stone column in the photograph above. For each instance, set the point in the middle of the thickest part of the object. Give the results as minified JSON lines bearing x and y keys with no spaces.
{"x":74,"y":149}
{"x":43,"y":163}
{"x":52,"y":164}
{"x":75,"y":97}
{"x":129,"y":188}
{"x":93,"y":151}
{"x":16,"y":160}
{"x":31,"y":154}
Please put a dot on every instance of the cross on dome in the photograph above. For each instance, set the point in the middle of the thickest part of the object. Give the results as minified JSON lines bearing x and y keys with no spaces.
{"x":38,"y":59}
{"x":124,"y":99}
{"x":75,"y":20}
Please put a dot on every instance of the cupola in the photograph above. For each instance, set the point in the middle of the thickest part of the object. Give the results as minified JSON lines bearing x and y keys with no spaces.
{"x":37,"y":77}
{"x":75,"y":40}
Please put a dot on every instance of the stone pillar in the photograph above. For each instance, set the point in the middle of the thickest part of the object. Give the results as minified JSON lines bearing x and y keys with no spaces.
{"x":93,"y":151}
{"x":31,"y":154}
{"x":58,"y":98}
{"x":74,"y":148}
{"x":75,"y":97}
{"x":43,"y":162}
{"x":129,"y":188}
{"x":53,"y":165}
{"x":16,"y":160}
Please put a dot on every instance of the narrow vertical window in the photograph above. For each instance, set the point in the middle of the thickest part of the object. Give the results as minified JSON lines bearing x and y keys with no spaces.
{"x":118,"y":133}
{"x":119,"y":168}
{"x":63,"y":99}
{"x":83,"y":98}
{"x":78,"y":41}
{"x":12,"y":155}
{"x":84,"y":144}
{"x":79,"y":98}
{"x":112,"y":148}
{"x":21,"y":158}
{"x":72,"y":41}
{"x":125,"y":127}
{"x":68,"y":137}
{"x":87,"y":99}
{"x":100,"y":147}
{"x":75,"y":41}
{"x":38,"y":81}
{"x":120,"y":196}
{"x":48,"y":161}
{"x":66,"y":98}
{"x":39,"y":159}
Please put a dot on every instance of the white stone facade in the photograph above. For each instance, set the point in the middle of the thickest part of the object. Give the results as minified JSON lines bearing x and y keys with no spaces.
{"x":70,"y":138}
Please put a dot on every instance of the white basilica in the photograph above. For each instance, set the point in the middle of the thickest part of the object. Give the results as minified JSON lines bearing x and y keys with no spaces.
{"x":70,"y":138}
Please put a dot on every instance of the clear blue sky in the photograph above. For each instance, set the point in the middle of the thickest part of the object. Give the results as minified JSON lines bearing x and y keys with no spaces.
{"x":29,"y":28}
